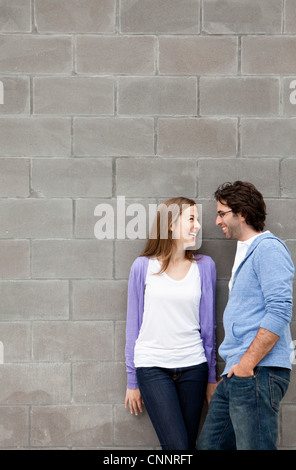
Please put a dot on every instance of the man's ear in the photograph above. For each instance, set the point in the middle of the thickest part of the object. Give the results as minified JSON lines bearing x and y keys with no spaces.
{"x":242,"y":217}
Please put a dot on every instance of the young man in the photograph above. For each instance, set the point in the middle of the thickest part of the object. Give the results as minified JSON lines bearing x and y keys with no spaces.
{"x":243,"y":412}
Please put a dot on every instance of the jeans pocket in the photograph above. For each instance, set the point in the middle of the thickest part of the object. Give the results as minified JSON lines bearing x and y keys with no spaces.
{"x":277,"y":388}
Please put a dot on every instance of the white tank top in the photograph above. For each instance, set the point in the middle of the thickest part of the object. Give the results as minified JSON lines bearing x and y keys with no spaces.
{"x":170,"y":333}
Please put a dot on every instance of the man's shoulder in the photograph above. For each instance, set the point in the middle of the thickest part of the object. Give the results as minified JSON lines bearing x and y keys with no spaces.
{"x":267,"y":241}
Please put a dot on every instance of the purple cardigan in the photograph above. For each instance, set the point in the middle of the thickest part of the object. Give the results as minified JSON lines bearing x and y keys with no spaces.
{"x":135,"y":310}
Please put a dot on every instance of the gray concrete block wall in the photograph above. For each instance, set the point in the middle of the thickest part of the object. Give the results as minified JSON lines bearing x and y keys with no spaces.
{"x":109,"y":98}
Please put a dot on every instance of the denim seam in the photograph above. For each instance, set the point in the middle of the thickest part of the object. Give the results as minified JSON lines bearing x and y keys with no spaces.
{"x":258,"y":414}
{"x":225,"y":427}
{"x":275,"y":407}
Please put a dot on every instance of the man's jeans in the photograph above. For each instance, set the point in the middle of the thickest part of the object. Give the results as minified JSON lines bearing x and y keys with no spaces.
{"x":174,"y":399}
{"x":243,"y":412}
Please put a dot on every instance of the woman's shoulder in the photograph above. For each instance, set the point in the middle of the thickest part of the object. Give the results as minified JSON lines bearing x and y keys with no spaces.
{"x":205,"y":260}
{"x":140,"y":263}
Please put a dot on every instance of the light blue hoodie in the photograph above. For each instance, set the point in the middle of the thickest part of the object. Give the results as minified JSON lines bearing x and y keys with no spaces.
{"x":261,"y":296}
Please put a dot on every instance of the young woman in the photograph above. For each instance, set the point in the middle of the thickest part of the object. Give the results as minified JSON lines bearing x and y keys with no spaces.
{"x":170,"y":332}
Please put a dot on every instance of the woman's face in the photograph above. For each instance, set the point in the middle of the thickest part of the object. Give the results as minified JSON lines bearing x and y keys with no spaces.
{"x":186,"y":227}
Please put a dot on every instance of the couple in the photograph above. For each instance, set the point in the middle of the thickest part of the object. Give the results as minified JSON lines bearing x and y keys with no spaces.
{"x":170,"y":333}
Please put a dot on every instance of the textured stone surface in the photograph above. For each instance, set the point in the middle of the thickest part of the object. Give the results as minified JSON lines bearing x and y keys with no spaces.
{"x":15,"y":16}
{"x":124,"y":103}
{"x":242,"y":16}
{"x":187,"y":55}
{"x":85,"y":16}
{"x":239,"y":96}
{"x":159,"y":16}
{"x":268,"y":55}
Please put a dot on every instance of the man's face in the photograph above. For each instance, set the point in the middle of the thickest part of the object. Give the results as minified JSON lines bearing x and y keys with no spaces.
{"x":230,"y":223}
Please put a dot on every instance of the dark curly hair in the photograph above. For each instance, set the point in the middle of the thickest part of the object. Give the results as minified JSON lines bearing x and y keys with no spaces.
{"x":243,"y":198}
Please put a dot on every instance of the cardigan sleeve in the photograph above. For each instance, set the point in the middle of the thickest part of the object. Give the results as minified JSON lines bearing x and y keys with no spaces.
{"x":207,"y":316}
{"x":133,"y":322}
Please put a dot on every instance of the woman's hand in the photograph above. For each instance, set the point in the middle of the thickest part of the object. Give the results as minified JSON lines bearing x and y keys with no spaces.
{"x":134,"y":400}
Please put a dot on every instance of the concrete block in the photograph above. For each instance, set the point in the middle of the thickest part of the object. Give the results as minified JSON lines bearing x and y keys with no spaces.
{"x":280,"y":217}
{"x":15,"y":16}
{"x":262,"y":172}
{"x":223,"y":253}
{"x":222,"y":293}
{"x":290,"y":16}
{"x":73,"y":95}
{"x":288,"y":171}
{"x":290,"y":396}
{"x":14,"y":259}
{"x":78,"y":426}
{"x":247,"y":96}
{"x":232,"y":16}
{"x":34,"y":300}
{"x":71,"y":259}
{"x":16,"y":339}
{"x":35,"y":218}
{"x":120,"y":340}
{"x":32,"y":383}
{"x":289,"y":418}
{"x":79,"y":177}
{"x":165,"y":177}
{"x":197,"y":55}
{"x":159,"y":96}
{"x":16,"y":92}
{"x":72,"y":16}
{"x":131,"y":430}
{"x":14,"y":177}
{"x":115,"y":54}
{"x":88,"y":386}
{"x":113,"y":137}
{"x":66,"y":341}
{"x":126,"y":251}
{"x":35,"y":137}
{"x":35,"y":53}
{"x":160,"y":16}
{"x":85,"y":219}
{"x":14,"y":427}
{"x":268,"y":137}
{"x":268,"y":55}
{"x":197,"y":137}
{"x":99,"y":300}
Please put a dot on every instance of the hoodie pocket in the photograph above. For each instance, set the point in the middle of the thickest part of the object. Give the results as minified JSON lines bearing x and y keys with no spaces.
{"x":238,"y":332}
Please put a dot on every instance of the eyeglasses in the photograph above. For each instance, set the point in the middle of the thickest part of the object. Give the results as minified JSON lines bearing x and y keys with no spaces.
{"x":221,"y":214}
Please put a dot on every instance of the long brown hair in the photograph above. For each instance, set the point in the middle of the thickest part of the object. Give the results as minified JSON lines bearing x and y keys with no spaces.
{"x":160,"y":242}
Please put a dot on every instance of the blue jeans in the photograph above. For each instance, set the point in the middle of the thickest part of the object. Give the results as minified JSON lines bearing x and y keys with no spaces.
{"x":243,"y":412}
{"x":174,"y":399}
